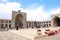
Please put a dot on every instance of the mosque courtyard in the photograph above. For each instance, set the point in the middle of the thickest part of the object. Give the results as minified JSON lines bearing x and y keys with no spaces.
{"x":28,"y":34}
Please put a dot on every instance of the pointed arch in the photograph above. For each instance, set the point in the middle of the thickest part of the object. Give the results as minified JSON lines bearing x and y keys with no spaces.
{"x":56,"y":21}
{"x":19,"y":21}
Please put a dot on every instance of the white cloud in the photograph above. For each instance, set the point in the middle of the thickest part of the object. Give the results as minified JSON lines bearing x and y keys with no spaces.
{"x":55,"y":11}
{"x":6,"y":9}
{"x":37,"y":14}
{"x":4,"y":1}
{"x":34,"y":12}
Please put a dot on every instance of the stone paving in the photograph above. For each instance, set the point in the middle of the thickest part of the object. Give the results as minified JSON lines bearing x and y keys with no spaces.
{"x":26,"y":34}
{"x":6,"y":35}
{"x":55,"y":37}
{"x":46,"y":37}
{"x":31,"y":34}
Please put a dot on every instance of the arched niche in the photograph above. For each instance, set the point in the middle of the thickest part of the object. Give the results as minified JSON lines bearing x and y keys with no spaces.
{"x":19,"y":21}
{"x":56,"y":21}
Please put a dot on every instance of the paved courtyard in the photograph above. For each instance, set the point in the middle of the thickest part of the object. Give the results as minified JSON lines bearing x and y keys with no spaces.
{"x":27,"y":34}
{"x":6,"y":35}
{"x":54,"y":37}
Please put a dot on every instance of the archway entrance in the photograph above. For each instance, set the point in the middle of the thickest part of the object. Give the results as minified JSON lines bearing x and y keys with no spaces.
{"x":56,"y":21}
{"x":19,"y":21}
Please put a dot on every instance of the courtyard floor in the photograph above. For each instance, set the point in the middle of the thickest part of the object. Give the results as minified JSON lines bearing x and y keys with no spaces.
{"x":27,"y":34}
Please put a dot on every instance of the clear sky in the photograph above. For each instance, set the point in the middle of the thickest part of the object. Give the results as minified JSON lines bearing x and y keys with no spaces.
{"x":37,"y":10}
